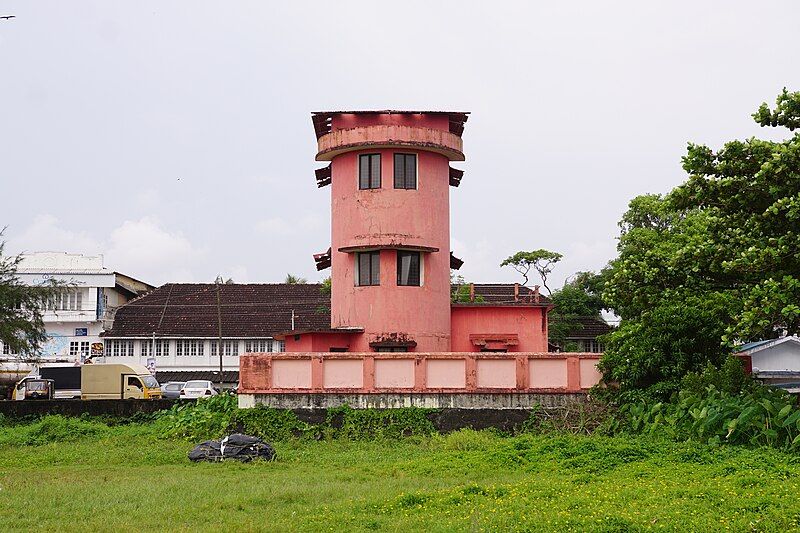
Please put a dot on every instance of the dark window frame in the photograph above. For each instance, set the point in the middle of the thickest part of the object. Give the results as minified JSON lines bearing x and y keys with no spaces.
{"x":414,"y":278}
{"x":369,"y":180}
{"x":373,"y":276}
{"x":401,"y":178}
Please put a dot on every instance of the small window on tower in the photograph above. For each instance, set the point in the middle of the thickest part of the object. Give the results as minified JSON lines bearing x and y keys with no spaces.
{"x":369,"y":171}
{"x":405,"y":171}
{"x":408,"y":268}
{"x":368,"y":268}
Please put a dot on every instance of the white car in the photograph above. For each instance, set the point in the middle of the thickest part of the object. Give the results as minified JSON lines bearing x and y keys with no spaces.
{"x":198,"y":388}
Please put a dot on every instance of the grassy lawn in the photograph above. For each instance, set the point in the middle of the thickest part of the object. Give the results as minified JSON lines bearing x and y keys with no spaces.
{"x":122,"y":478}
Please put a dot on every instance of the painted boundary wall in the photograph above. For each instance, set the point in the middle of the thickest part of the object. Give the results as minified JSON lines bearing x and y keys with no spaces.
{"x":417,"y":373}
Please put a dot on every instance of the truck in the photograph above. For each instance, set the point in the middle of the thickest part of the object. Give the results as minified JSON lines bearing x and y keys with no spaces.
{"x":97,"y":381}
{"x":118,"y":381}
{"x":66,"y":380}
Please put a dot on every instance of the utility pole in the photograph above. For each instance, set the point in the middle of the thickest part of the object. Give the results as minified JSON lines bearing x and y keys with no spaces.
{"x":219,"y":331}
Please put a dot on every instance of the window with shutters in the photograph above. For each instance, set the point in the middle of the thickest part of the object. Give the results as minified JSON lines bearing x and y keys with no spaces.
{"x":369,"y":171}
{"x":405,"y":171}
{"x":408,"y":268}
{"x":258,"y":345}
{"x":368,"y":268}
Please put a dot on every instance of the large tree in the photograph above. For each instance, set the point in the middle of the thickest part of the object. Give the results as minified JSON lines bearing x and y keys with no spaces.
{"x":21,"y":326}
{"x":714,"y":262}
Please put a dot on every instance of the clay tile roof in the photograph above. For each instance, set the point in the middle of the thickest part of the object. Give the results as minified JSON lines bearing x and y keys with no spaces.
{"x":588,"y":328}
{"x":503,"y":294}
{"x":322,"y":119}
{"x":248,"y":310}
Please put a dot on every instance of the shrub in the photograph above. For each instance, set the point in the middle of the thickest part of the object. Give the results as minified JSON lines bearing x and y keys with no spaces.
{"x":53,"y":428}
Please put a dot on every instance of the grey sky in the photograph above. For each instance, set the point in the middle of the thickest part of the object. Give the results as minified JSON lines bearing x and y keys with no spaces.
{"x":175,"y":137}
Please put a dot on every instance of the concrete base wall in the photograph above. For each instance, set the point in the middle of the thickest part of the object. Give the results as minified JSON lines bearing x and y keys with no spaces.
{"x":114,"y":408}
{"x":524,"y":401}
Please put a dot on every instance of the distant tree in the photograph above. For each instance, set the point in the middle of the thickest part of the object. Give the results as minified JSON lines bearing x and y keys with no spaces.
{"x":542,"y":261}
{"x":295,"y":280}
{"x":21,"y":306}
{"x":713,"y":263}
{"x":579,"y":298}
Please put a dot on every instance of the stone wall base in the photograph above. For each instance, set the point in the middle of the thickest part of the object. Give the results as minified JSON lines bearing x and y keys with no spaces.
{"x":390,"y":400}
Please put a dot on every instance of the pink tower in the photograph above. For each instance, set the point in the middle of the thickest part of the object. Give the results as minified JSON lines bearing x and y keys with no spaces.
{"x":390,"y":233}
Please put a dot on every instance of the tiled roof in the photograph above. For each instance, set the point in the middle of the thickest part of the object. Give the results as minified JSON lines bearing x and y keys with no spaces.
{"x":255,"y":310}
{"x":503,"y":294}
{"x":228,"y":376}
{"x":589,"y":328}
{"x":248,"y":310}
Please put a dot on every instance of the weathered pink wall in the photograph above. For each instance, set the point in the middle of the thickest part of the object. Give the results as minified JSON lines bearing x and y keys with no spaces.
{"x":526,"y":322}
{"x":351,"y":120}
{"x":417,"y":372}
{"x":549,"y":373}
{"x":320,"y":341}
{"x":389,"y":216}
{"x":394,"y":373}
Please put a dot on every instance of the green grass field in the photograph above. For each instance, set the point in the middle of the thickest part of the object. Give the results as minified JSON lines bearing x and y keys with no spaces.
{"x":122,"y":478}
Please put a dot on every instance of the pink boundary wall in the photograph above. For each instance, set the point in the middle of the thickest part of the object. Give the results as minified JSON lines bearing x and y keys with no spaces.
{"x":412,"y":372}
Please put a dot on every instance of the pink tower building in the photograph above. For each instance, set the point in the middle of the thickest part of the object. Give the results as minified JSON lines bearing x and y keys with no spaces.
{"x":390,"y":258}
{"x":473,"y":346}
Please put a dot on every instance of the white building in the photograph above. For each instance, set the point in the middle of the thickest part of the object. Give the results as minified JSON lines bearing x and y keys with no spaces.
{"x":775,"y":362}
{"x":176,"y":327}
{"x":75,"y":319}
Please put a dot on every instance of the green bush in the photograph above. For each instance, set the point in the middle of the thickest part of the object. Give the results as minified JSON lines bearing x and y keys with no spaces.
{"x":759,"y":417}
{"x":271,"y":424}
{"x":52,"y":428}
{"x":360,"y":424}
{"x":207,"y":418}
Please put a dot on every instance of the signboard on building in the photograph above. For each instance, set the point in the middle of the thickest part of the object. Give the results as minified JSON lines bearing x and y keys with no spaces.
{"x":81,"y":332}
{"x":151,"y":365}
{"x":97,"y":348}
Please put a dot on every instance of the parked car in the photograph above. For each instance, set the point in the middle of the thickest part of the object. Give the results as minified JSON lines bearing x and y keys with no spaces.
{"x":171,"y":390}
{"x":198,"y":388}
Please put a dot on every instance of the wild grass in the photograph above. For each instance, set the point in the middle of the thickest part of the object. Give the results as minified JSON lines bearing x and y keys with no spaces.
{"x":92,"y":476}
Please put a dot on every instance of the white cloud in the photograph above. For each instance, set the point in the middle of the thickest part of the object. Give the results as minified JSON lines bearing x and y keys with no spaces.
{"x":46,"y":233}
{"x":140,"y":248}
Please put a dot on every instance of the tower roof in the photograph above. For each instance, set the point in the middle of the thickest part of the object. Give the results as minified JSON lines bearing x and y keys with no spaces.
{"x":322,"y":119}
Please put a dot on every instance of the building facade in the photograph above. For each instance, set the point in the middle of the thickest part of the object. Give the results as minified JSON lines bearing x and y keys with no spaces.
{"x":175,"y":329}
{"x":76,"y":317}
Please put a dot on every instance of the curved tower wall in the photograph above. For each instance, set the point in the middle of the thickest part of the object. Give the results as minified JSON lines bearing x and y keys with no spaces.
{"x":388,"y":219}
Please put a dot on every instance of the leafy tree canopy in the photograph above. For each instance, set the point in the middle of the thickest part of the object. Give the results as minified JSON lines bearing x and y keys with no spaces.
{"x":291,"y":279}
{"x":713,"y":263}
{"x":542,"y":261}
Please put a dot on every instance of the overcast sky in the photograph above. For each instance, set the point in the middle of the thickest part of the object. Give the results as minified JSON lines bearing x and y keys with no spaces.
{"x":175,"y":137}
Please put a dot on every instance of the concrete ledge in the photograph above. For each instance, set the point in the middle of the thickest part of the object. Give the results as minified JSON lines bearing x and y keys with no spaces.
{"x":114,"y":408}
{"x":525,"y":401}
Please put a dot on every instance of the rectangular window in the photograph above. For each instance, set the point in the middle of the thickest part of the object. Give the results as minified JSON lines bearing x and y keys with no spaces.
{"x":6,"y":349}
{"x":147,"y":348}
{"x":369,"y":171}
{"x":258,"y":345}
{"x":162,"y":348}
{"x":230,"y":348}
{"x":408,"y":268}
{"x":405,"y":171}
{"x":391,"y":349}
{"x":369,"y":268}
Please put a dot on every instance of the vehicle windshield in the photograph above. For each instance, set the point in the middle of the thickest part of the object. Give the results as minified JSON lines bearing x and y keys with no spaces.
{"x":149,"y":382}
{"x":37,"y":385}
{"x":196,"y":385}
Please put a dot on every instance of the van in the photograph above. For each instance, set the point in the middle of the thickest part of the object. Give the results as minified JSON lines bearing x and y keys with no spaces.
{"x":114,"y":381}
